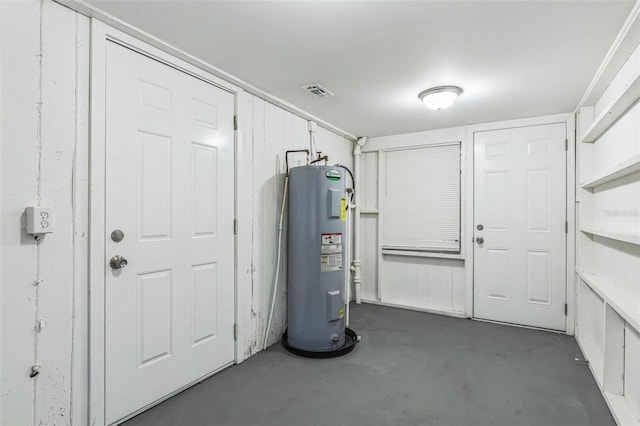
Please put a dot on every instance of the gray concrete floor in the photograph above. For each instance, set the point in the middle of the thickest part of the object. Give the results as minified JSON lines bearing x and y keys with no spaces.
{"x":411,"y":368}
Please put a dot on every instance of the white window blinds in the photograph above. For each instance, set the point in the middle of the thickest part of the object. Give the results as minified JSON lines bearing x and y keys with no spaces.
{"x":421,"y":199}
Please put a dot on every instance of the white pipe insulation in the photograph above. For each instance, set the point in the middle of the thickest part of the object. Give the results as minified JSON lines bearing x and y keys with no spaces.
{"x":277,"y":272}
{"x":347,"y":271}
{"x":357,"y":274}
{"x":313,"y":127}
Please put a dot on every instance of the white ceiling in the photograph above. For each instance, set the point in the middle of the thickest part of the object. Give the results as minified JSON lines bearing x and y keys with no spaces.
{"x":514,"y":59}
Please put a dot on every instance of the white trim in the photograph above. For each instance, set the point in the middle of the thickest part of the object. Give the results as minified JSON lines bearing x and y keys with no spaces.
{"x":381,"y":178}
{"x":423,"y":145}
{"x":511,"y":324}
{"x":244,"y":194}
{"x":80,"y":366}
{"x":624,"y":43}
{"x":101,"y":34}
{"x":413,"y":308}
{"x":91,"y":11}
{"x":408,"y":253}
{"x":523,"y":122}
{"x":2,"y":118}
{"x":97,"y":414}
{"x":571,"y":224}
{"x":461,"y":197}
{"x":141,"y":47}
{"x":467,"y":238}
{"x":408,"y":140}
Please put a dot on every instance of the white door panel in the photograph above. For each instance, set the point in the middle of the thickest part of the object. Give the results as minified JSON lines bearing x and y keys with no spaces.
{"x":519,"y":201}
{"x":169,"y":189}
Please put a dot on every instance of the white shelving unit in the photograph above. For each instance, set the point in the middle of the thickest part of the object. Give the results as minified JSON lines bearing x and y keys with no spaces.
{"x":628,"y":309}
{"x":625,"y":168}
{"x":627,"y":237}
{"x":615,"y":109}
{"x":608,"y":248}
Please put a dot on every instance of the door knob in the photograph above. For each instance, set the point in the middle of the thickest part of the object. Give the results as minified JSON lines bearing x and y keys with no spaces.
{"x":118,"y":262}
{"x":479,"y":240}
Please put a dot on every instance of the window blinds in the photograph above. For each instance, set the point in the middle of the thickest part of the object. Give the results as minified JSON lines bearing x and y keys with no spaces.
{"x":421,"y":199}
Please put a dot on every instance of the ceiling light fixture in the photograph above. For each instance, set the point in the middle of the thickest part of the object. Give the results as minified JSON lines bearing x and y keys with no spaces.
{"x":440,"y":97}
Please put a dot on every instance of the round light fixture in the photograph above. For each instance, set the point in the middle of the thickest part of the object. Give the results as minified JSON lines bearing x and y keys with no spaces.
{"x":440,"y":97}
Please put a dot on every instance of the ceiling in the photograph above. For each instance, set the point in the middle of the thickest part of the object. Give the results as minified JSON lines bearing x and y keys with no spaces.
{"x":514,"y":59}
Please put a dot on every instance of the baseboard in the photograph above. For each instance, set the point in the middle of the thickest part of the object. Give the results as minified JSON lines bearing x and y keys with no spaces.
{"x":414,"y":308}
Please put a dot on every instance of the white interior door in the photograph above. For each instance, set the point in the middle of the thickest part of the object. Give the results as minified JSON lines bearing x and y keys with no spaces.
{"x":519,"y":220}
{"x":170,"y":191}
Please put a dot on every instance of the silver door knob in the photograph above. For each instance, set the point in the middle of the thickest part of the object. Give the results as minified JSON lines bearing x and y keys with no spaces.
{"x":479,"y":240}
{"x":118,"y":262}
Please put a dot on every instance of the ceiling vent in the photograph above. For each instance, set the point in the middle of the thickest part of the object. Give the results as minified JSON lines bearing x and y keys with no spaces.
{"x":317,"y":90}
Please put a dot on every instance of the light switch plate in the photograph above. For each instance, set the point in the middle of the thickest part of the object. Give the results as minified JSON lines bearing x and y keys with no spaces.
{"x":39,"y":220}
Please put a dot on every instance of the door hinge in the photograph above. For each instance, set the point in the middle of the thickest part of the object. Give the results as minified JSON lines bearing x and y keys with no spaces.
{"x":235,"y":226}
{"x":235,"y":122}
{"x":235,"y":331}
{"x":566,"y":309}
{"x":566,"y":227}
{"x":566,"y":144}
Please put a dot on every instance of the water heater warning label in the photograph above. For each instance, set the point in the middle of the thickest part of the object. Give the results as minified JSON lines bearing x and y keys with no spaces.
{"x":330,"y":252}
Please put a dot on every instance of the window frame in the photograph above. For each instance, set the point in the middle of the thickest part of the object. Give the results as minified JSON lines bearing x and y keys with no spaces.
{"x":426,"y":250}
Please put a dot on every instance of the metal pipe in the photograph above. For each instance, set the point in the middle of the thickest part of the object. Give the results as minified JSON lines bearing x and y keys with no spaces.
{"x":286,"y":157}
{"x":356,"y":264}
{"x":325,"y":158}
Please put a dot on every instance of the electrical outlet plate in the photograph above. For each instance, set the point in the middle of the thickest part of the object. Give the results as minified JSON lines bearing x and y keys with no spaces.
{"x":39,"y":220}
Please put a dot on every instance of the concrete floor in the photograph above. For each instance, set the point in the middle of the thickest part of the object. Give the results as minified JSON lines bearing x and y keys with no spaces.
{"x":411,"y":368}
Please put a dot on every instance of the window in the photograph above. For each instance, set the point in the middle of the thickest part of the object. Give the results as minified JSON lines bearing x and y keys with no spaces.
{"x":421,"y":199}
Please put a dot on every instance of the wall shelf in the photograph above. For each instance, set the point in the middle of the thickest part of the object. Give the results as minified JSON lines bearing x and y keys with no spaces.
{"x":627,"y":308}
{"x":615,"y":110}
{"x":627,"y":237}
{"x":389,"y":252}
{"x":627,"y":167}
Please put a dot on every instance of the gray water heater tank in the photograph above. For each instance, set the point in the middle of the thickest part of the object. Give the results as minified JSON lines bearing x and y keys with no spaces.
{"x":316,"y":258}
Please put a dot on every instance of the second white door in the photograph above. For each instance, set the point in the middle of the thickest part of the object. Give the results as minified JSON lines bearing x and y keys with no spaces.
{"x":169,"y":211}
{"x":519,"y":226}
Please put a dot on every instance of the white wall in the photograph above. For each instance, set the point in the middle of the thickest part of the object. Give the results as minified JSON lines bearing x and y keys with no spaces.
{"x":423,"y":283}
{"x":275,"y":131}
{"x":18,"y":144}
{"x":44,"y":160}
{"x":437,"y":283}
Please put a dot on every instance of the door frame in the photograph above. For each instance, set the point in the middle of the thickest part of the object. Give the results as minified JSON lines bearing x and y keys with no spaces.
{"x":570,"y":276}
{"x":101,"y":34}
